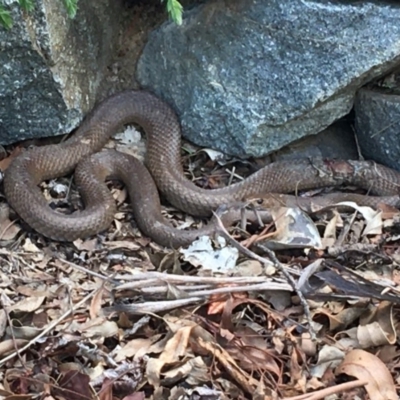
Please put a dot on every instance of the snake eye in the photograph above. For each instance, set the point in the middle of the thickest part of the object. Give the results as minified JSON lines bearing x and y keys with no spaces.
{"x":259,"y":201}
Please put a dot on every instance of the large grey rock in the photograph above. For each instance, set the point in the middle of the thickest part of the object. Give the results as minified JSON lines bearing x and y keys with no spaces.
{"x":51,"y":66}
{"x":336,"y":141}
{"x":247,"y":78}
{"x":377,"y":124}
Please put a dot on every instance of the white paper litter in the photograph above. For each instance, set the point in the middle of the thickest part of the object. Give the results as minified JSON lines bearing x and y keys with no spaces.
{"x":201,"y":253}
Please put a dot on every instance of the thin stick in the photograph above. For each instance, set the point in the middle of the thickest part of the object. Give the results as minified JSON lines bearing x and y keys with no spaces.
{"x":6,"y":310}
{"x":86,"y":271}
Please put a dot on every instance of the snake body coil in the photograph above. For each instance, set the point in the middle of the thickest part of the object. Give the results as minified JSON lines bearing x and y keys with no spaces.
{"x":163,"y":161}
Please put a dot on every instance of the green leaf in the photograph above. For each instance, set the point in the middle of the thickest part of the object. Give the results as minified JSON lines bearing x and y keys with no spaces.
{"x":72,"y":7}
{"x":175,"y":10}
{"x":5,"y":18}
{"x":27,"y":5}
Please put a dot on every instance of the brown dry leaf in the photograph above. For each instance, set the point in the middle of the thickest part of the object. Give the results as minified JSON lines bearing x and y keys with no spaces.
{"x":329,"y":237}
{"x":5,"y":162}
{"x":217,"y":303}
{"x":73,"y":385}
{"x":122,"y":244}
{"x":175,"y":348}
{"x":246,"y":346}
{"x":135,"y":396}
{"x":338,"y":319}
{"x":307,"y":345}
{"x":106,"y":392}
{"x":329,"y":357}
{"x":8,"y":229}
{"x":19,"y":397}
{"x":23,"y":332}
{"x":314,"y":384}
{"x":33,"y":292}
{"x":193,"y":370}
{"x":28,"y":305}
{"x":95,"y":304}
{"x":245,"y":380}
{"x":8,"y":346}
{"x":388,"y":212}
{"x":6,"y":394}
{"x":89,"y":245}
{"x":372,"y":335}
{"x":345,"y":318}
{"x":379,"y":328}
{"x":99,"y":328}
{"x":199,"y":370}
{"x":366,"y":366}
{"x":40,"y":319}
{"x":251,"y":359}
{"x":297,"y":376}
{"x":248,"y":268}
{"x":388,"y":353}
{"x":135,"y":347}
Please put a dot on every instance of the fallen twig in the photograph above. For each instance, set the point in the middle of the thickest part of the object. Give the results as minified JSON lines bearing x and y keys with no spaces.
{"x":152,"y":307}
{"x":220,"y":290}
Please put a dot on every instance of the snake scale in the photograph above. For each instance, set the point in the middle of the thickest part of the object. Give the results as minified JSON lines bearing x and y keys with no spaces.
{"x":163,"y":170}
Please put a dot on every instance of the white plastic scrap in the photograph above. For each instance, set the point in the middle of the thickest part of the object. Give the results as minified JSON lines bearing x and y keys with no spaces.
{"x":202,"y":253}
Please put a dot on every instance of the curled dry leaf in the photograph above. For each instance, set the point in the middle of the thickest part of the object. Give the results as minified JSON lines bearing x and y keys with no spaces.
{"x":372,"y":335}
{"x":192,"y":370}
{"x":29,"y":304}
{"x":9,"y":345}
{"x":23,"y":332}
{"x":328,"y":358}
{"x":366,"y":366}
{"x":135,"y":348}
{"x":380,"y":329}
{"x":175,"y":348}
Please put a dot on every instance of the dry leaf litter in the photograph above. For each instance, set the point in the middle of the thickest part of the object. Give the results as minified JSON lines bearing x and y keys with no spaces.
{"x":304,"y":308}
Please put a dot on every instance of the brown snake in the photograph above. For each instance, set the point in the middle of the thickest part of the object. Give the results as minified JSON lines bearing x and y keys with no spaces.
{"x":163,"y":160}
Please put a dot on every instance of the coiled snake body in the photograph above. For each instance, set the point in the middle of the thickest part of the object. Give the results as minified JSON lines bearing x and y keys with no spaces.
{"x":163,"y":161}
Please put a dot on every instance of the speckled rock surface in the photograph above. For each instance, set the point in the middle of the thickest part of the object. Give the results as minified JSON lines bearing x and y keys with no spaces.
{"x":377,"y":124}
{"x":51,"y":66}
{"x":247,"y":78}
{"x":336,"y":141}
